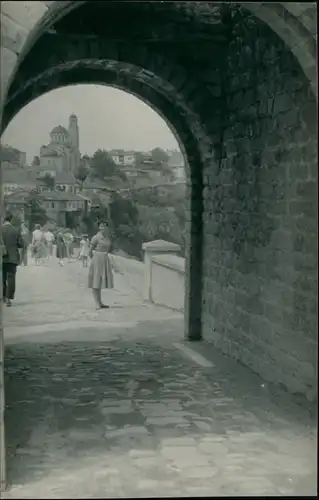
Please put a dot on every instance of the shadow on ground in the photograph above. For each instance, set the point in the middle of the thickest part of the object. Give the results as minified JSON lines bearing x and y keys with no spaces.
{"x":141,"y":410}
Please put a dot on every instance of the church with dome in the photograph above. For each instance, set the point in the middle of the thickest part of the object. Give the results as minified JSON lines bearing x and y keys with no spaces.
{"x":62,"y":154}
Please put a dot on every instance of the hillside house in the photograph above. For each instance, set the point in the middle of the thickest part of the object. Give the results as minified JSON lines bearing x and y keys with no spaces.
{"x":176,"y":164}
{"x":63,"y":207}
{"x":63,"y":181}
{"x":121,"y":157}
{"x":13,"y":155}
{"x":15,"y":203}
{"x":18,"y":179}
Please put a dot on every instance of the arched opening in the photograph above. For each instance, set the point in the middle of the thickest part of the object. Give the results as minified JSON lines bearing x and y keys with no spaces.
{"x":240,"y":90}
{"x":162,"y":97}
{"x":151,"y":190}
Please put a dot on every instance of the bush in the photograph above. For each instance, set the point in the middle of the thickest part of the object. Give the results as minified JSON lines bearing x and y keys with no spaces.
{"x":134,"y":223}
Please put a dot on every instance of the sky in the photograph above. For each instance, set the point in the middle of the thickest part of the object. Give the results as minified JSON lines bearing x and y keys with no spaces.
{"x":108,"y":119}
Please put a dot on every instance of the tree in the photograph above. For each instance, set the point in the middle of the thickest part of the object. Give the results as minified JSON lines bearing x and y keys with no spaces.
{"x":99,"y":212}
{"x":124,"y":220}
{"x":81,"y":173}
{"x":49,"y":182}
{"x":159,"y":156}
{"x":36,"y":161}
{"x":123,"y":211}
{"x":139,"y":158}
{"x":34,"y":212}
{"x":102,"y":165}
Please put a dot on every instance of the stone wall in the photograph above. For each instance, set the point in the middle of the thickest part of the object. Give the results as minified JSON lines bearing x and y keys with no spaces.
{"x":133,"y":273}
{"x":260,"y":213}
{"x":167,"y":281}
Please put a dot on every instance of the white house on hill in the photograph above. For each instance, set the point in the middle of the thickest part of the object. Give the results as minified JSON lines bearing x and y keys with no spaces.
{"x":121,"y":157}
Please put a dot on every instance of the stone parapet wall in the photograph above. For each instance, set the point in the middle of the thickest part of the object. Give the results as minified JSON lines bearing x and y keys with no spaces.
{"x":168,"y":281}
{"x":132,"y":271}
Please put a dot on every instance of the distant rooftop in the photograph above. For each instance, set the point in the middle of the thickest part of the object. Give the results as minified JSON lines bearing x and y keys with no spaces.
{"x":88,"y":184}
{"x":62,"y":196}
{"x":9,"y":153}
{"x":117,"y":152}
{"x":65,"y":178}
{"x":176,"y":159}
{"x":20,"y":176}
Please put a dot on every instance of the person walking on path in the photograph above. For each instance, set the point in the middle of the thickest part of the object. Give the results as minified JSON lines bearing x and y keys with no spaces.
{"x":38,"y":245}
{"x":84,"y":250}
{"x":25,"y":233}
{"x":49,"y":238}
{"x":100,"y":270}
{"x":60,"y":248}
{"x":68,"y":239}
{"x":12,"y":242}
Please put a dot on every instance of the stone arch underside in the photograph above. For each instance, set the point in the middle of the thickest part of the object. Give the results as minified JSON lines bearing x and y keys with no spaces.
{"x":295,"y":23}
{"x":249,"y":105}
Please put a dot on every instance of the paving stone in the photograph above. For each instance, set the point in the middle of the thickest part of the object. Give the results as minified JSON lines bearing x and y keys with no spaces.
{"x":200,"y":472}
{"x":179,"y":441}
{"x":147,"y":462}
{"x":116,"y":411}
{"x":163,"y":421}
{"x":199,"y":490}
{"x":183,"y":456}
{"x":202,"y":425}
{"x":142,"y":453}
{"x":148,"y":484}
{"x":128,"y":431}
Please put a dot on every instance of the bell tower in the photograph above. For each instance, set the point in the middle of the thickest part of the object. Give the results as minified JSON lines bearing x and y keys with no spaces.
{"x":74,"y":137}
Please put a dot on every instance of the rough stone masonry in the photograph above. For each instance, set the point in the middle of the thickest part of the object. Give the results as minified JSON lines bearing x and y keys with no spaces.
{"x":260,"y":214}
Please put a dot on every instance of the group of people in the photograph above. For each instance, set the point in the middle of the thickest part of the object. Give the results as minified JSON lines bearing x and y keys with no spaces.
{"x":16,"y":241}
{"x":42,"y":243}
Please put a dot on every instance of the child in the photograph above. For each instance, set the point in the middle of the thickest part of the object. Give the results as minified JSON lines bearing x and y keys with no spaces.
{"x":60,"y":248}
{"x":84,"y":250}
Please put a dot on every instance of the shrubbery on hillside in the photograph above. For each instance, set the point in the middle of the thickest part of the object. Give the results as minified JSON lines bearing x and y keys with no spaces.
{"x":140,"y":215}
{"x":146,"y":219}
{"x":134,"y":223}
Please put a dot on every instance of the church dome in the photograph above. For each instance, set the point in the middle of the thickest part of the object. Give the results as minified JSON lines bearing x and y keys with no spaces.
{"x":59,"y":130}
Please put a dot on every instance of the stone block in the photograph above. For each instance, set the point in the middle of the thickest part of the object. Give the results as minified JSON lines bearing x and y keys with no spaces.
{"x":24,"y":15}
{"x":13,"y":36}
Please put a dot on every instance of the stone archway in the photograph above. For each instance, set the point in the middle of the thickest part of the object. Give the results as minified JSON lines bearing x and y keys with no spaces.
{"x":203,"y":90}
{"x":206,"y":97}
{"x":146,"y":75}
{"x":146,"y":87}
{"x":238,"y":84}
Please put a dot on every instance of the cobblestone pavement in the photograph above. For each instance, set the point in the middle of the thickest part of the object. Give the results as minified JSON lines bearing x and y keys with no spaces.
{"x":100,"y":407}
{"x":50,"y":294}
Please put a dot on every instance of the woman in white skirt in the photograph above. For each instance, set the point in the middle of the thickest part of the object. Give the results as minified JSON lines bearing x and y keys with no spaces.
{"x":100,"y":271}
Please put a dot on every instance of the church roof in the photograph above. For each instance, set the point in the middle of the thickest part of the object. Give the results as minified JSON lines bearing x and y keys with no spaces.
{"x":59,"y":130}
{"x":49,"y":152}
